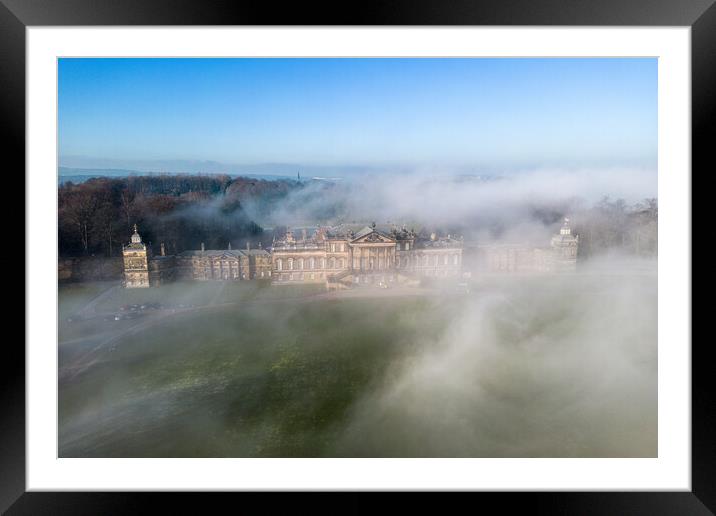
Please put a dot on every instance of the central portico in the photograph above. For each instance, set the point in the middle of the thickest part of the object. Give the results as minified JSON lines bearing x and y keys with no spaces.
{"x":345,"y":256}
{"x":372,"y":251}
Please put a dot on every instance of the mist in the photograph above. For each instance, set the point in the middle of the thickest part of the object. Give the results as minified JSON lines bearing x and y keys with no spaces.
{"x":441,"y":198}
{"x":523,"y":365}
{"x":538,"y":366}
{"x":564,"y":371}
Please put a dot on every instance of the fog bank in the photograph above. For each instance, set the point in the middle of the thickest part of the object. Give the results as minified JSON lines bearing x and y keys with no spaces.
{"x":445,"y":199}
{"x":527,"y":371}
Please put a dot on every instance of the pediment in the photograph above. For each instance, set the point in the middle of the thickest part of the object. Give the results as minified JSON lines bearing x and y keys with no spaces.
{"x":225,"y":256}
{"x":374,"y":237}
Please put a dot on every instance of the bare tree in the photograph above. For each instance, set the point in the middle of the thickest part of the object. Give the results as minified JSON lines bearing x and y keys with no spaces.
{"x":127,"y":202}
{"x":80,"y":208}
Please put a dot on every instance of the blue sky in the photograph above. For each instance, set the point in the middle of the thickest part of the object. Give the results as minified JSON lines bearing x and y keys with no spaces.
{"x":476,"y":112}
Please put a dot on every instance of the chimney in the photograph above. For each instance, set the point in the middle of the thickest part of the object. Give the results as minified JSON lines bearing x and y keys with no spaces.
{"x":248,"y":245}
{"x":202,"y":247}
{"x":162,"y":249}
{"x":303,"y":233}
{"x":229,"y":245}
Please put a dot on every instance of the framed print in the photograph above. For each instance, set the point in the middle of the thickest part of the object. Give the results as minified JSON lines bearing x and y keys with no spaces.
{"x":423,"y":250}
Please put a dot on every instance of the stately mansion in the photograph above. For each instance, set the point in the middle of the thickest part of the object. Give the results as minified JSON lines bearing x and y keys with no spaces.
{"x":345,"y":256}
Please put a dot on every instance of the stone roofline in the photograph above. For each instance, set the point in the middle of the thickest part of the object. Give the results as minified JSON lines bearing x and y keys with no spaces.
{"x":140,"y":246}
{"x":221,"y":252}
{"x":350,"y":236}
{"x":297,"y":246}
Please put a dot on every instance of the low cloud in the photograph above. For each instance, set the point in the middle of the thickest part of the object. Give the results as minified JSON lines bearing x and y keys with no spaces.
{"x":526,"y":368}
{"x":446,"y":199}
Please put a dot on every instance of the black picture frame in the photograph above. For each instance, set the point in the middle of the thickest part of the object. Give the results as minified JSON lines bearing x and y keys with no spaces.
{"x":16,"y":15}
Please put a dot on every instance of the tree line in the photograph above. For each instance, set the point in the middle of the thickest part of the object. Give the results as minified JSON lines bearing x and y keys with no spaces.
{"x":616,"y":225}
{"x":96,"y":217}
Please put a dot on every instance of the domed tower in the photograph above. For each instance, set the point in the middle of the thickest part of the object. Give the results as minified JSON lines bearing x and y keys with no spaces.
{"x":564,"y":249}
{"x":136,"y":262}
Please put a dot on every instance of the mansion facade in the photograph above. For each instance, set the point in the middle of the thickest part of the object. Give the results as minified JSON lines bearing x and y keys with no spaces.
{"x":559,"y":256}
{"x":346,"y":256}
{"x":143,"y":269}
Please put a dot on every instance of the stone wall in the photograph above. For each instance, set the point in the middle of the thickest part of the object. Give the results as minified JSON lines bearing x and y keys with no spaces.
{"x":90,"y":269}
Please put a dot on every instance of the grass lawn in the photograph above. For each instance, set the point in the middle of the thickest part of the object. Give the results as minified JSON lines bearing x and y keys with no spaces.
{"x":523,"y":367}
{"x":199,"y":293}
{"x":75,"y":296}
{"x":181,"y":292}
{"x":261,"y":381}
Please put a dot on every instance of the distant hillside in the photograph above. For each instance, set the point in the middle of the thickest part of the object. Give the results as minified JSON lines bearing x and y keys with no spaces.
{"x":80,"y":175}
{"x":78,"y":165}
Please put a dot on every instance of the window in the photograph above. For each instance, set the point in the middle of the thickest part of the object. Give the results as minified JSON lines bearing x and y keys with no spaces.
{"x":454,"y":259}
{"x":407,"y":246}
{"x":340,"y":264}
{"x":312,"y":263}
{"x":333,"y":248}
{"x":290,"y":264}
{"x":331,"y":263}
{"x":300,"y":263}
{"x":445,"y":260}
